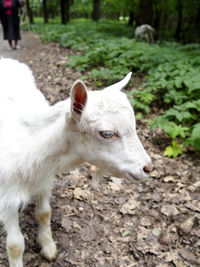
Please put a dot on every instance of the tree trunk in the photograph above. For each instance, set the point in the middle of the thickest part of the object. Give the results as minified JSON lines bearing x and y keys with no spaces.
{"x":180,"y":16}
{"x":197,"y":21}
{"x":131,"y":18}
{"x":96,"y":10}
{"x":64,"y":5}
{"x":45,"y":11}
{"x":145,"y":12}
{"x":156,"y":23}
{"x":29,"y":12}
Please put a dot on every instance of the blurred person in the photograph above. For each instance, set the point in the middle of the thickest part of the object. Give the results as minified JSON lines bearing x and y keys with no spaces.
{"x":10,"y":21}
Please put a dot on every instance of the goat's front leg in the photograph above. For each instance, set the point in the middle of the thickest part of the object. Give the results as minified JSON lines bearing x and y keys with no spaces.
{"x":15,"y":239}
{"x":43,"y":214}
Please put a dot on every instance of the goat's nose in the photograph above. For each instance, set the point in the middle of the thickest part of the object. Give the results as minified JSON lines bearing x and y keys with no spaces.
{"x":148,"y":168}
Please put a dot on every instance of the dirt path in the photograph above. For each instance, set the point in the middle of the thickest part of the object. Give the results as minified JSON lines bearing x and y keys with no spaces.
{"x":132,"y":224}
{"x":47,"y":62}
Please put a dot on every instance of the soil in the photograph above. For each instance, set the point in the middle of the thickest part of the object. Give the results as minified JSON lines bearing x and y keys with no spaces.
{"x":125,"y":223}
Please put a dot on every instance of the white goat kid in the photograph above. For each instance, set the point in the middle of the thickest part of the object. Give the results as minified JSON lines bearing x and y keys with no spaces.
{"x":37,"y":141}
{"x":145,"y":33}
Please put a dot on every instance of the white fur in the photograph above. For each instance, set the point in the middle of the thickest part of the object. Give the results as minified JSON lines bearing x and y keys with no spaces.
{"x":145,"y":32}
{"x":37,"y":141}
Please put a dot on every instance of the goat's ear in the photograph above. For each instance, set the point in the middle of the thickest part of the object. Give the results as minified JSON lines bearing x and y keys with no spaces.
{"x":79,"y":98}
{"x":120,"y":85}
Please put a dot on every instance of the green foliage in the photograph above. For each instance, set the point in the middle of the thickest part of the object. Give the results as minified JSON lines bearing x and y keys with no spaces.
{"x":82,"y":8}
{"x":141,"y":99}
{"x":172,"y":72}
{"x":194,"y":138}
{"x":174,"y":150}
{"x":164,"y":15}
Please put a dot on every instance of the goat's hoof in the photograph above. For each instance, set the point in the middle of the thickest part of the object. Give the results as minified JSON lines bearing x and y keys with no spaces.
{"x":50,"y":251}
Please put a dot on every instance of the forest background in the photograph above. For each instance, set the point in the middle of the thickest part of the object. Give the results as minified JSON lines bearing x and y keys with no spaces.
{"x":101,"y":35}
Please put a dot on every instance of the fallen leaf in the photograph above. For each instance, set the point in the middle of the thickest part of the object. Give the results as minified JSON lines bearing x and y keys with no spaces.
{"x":66,"y":223}
{"x":81,"y":194}
{"x":179,"y":263}
{"x":88,"y":234}
{"x":169,"y":179}
{"x":116,"y":181}
{"x":162,"y":265}
{"x":114,"y":187}
{"x":172,"y":256}
{"x":189,"y":256}
{"x":130,"y":206}
{"x":76,"y":225}
{"x":169,"y":210}
{"x":145,"y":221}
{"x":187,"y":226}
{"x":154,"y":174}
{"x":157,"y":232}
{"x":197,"y":184}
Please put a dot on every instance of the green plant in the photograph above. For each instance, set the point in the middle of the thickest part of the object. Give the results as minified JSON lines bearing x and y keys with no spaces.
{"x":172,"y":70}
{"x":174,"y":150}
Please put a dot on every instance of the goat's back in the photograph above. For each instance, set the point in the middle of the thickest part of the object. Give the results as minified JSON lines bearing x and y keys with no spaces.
{"x":17,"y":90}
{"x":21,"y":104}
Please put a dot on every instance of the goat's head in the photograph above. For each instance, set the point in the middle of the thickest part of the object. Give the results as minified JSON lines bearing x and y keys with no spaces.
{"x":105,"y":131}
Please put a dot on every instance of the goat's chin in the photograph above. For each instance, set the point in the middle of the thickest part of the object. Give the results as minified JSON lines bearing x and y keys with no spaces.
{"x":124,"y":174}
{"x":128,"y":174}
{"x":141,"y":177}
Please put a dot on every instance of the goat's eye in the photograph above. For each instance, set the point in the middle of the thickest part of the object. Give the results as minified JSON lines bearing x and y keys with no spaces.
{"x":108,"y":134}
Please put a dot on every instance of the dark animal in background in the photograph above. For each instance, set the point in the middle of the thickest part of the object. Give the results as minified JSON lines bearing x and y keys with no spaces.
{"x":145,"y":33}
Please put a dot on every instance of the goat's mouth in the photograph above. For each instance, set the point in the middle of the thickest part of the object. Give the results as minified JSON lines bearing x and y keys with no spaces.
{"x":130,"y":175}
{"x":139,"y":176}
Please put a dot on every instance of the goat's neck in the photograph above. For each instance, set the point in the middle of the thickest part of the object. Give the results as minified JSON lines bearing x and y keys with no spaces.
{"x":51,"y":141}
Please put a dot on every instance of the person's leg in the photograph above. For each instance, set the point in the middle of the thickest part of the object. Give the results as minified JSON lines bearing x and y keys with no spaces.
{"x":10,"y":43}
{"x":16,"y":44}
